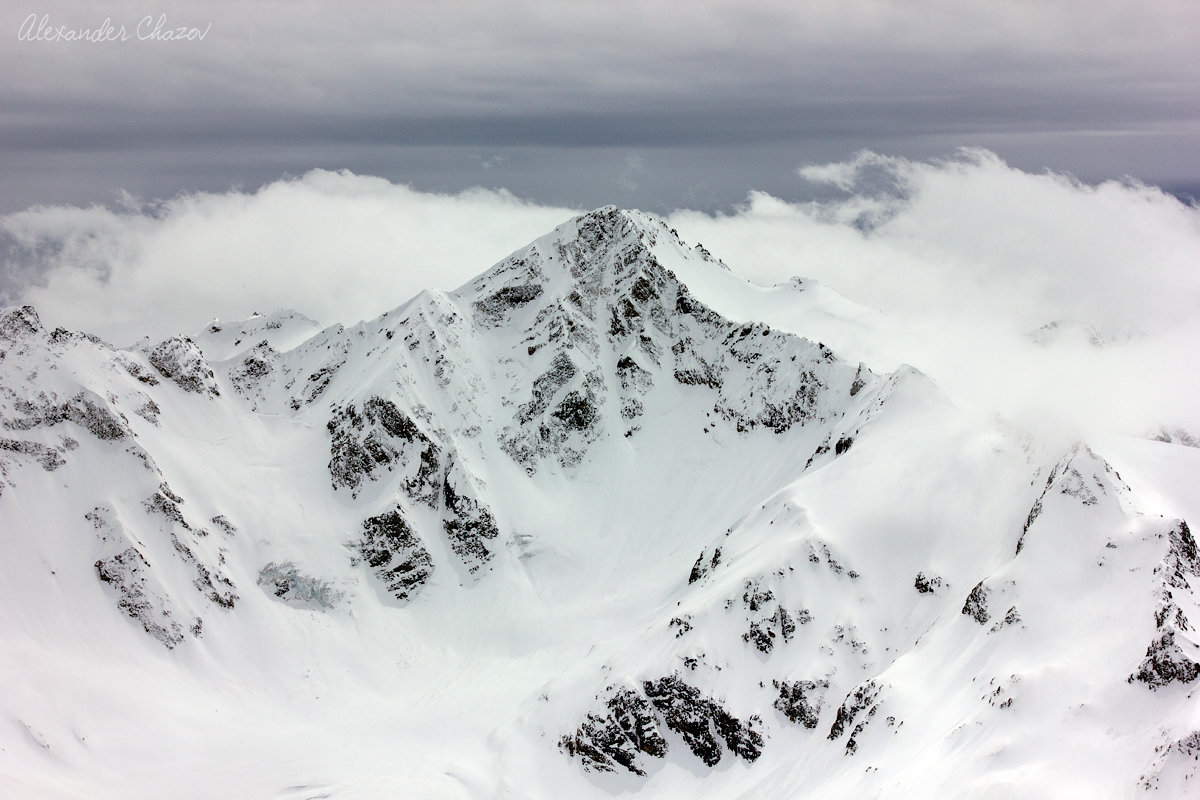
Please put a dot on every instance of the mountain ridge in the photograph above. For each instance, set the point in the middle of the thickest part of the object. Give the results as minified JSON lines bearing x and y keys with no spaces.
{"x":581,"y":533}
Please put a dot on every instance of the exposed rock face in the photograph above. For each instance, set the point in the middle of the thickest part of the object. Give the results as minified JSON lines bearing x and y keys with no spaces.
{"x":19,"y":323}
{"x":631,"y":725}
{"x":1177,"y":436}
{"x":466,"y":520}
{"x":702,"y":722}
{"x":180,"y":360}
{"x":1011,"y":617}
{"x":928,"y":584}
{"x":49,"y":458}
{"x":126,"y":573}
{"x":396,"y":555}
{"x":622,"y":735}
{"x":772,"y":379}
{"x":316,"y":382}
{"x":1166,"y":662}
{"x":149,"y":411}
{"x":495,"y":309}
{"x":820,"y":553}
{"x":84,"y":409}
{"x":1175,"y":764}
{"x":1183,"y":558}
{"x":769,"y":621}
{"x":255,"y":369}
{"x":128,"y":576}
{"x":1173,"y":656}
{"x":382,"y":437}
{"x":857,"y":710}
{"x":560,"y":418}
{"x":624,"y":307}
{"x":223,"y":523}
{"x":1080,"y":474}
{"x":976,"y":605}
{"x":137,"y":370}
{"x":801,"y":701}
{"x":210,"y":581}
{"x":704,"y":565}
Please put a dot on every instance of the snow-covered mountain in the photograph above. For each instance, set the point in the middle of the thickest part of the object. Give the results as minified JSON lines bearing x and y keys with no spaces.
{"x":582,"y":527}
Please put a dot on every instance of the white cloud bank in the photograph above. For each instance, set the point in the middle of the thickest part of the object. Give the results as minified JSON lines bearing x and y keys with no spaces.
{"x":968,"y":256}
{"x":971,"y":235}
{"x":336,"y":246}
{"x":965,"y":256}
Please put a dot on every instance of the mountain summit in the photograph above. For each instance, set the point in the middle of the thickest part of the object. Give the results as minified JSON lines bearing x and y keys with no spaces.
{"x":570,"y":531}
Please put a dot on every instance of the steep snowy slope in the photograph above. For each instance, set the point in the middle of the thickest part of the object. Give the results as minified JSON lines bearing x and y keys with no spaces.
{"x":582,"y":526}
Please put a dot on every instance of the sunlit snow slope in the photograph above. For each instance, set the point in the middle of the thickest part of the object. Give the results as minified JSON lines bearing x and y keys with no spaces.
{"x":571,"y":532}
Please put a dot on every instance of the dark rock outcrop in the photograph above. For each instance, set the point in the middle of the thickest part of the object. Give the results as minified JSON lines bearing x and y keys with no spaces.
{"x":632,"y":724}
{"x":1168,"y":660}
{"x":396,"y":554}
{"x":1080,"y":474}
{"x":702,"y":722}
{"x":19,"y":323}
{"x":495,"y":309}
{"x":620,"y":736}
{"x":210,"y":581}
{"x":467,"y":521}
{"x":928,"y":584}
{"x":801,"y":701}
{"x":704,"y":565}
{"x":84,"y":409}
{"x":1166,"y":663}
{"x":49,"y":458}
{"x":769,"y":621}
{"x":856,"y":710}
{"x":976,"y":605}
{"x":126,"y":573}
{"x":382,"y":438}
{"x":254,"y":369}
{"x":180,"y":360}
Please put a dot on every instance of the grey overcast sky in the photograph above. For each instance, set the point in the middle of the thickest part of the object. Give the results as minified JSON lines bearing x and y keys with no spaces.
{"x":654,"y":104}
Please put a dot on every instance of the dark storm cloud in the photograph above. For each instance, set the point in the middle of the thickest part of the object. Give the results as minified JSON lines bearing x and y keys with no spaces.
{"x":656,"y":104}
{"x":104,"y":130}
{"x":364,"y":84}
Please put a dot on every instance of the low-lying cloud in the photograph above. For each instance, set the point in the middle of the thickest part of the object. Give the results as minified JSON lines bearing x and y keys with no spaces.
{"x":971,"y":235}
{"x":969,"y":257}
{"x":965,"y":257}
{"x":336,"y":246}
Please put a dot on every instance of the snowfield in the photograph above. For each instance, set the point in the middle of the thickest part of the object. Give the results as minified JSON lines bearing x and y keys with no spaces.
{"x":605,"y":521}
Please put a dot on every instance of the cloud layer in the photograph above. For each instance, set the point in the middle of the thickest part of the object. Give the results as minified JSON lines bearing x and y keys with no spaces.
{"x":966,"y":257}
{"x":336,"y":246}
{"x":972,"y":236}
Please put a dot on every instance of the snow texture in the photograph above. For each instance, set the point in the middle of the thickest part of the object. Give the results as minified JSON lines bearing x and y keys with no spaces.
{"x":568,"y":531}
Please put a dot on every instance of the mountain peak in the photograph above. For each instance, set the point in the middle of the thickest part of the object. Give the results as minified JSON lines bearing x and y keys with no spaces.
{"x":608,"y":253}
{"x":282,"y":330}
{"x":18,"y":322}
{"x":578,"y":500}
